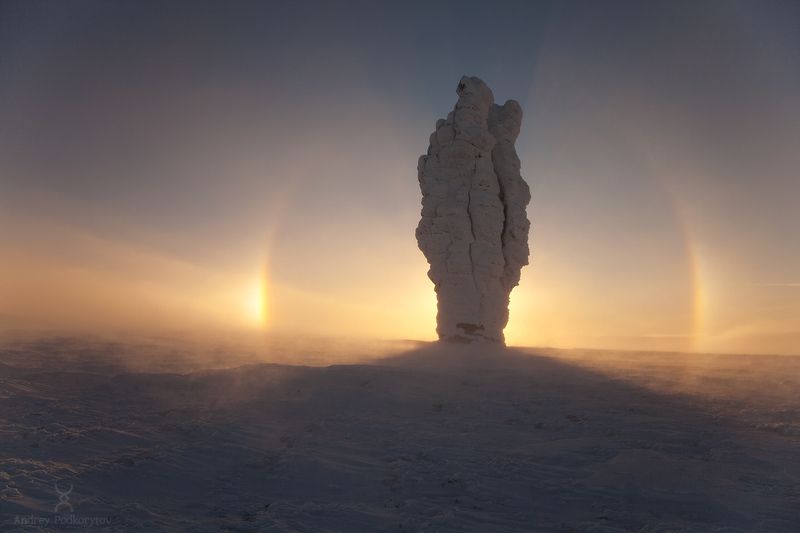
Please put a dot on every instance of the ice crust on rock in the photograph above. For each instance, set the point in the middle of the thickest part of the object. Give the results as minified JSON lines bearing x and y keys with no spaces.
{"x":474,"y":228}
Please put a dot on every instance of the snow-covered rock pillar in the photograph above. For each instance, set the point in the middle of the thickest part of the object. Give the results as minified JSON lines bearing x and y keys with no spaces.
{"x":474,"y":229}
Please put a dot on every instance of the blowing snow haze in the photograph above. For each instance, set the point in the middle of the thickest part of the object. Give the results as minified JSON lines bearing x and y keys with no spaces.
{"x":251,"y":166}
{"x":214,"y":314}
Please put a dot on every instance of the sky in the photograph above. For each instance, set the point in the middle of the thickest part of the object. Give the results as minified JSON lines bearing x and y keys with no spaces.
{"x":252,"y":165}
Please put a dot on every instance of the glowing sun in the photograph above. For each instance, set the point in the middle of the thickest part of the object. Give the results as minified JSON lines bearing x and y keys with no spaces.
{"x":255,"y":302}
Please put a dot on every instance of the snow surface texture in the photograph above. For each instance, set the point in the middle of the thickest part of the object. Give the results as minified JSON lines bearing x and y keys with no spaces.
{"x":439,"y":438}
{"x":474,"y":230}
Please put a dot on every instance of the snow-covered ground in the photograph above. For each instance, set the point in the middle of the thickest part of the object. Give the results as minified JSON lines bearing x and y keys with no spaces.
{"x":151,"y":438}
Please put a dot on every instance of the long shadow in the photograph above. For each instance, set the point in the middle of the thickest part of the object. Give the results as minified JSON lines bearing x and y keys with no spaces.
{"x":638,"y":457}
{"x":440,"y":437}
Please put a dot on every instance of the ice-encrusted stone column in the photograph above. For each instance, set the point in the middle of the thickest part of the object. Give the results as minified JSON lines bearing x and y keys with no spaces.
{"x":474,"y":229}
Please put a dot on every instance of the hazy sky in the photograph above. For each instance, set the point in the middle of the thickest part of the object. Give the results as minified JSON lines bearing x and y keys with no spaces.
{"x":164,"y":164}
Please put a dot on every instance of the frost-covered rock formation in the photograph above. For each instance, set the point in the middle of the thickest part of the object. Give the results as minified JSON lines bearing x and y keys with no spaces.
{"x":474,"y":230}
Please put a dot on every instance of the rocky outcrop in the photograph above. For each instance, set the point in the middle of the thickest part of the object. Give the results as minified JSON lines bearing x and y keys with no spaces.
{"x":474,"y":229}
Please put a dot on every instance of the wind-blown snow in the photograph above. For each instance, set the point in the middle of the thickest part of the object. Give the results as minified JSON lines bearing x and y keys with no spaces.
{"x":431,"y":439}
